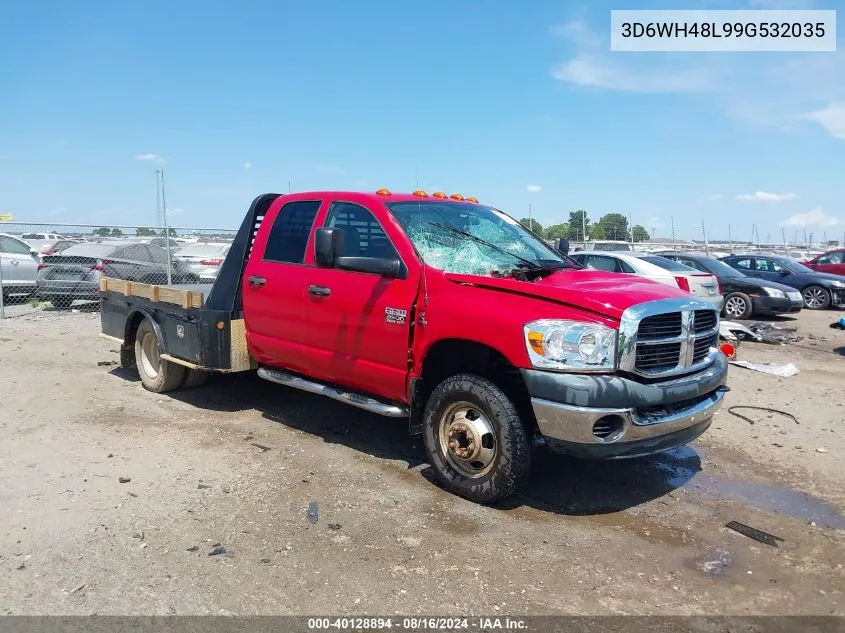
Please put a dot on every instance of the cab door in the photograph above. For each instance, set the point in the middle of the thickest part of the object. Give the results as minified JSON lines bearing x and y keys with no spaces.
{"x":833,"y":263}
{"x":357,"y":325}
{"x":274,"y":285}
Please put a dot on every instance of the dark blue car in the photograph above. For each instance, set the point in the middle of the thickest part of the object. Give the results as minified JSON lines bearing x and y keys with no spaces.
{"x":819,"y":290}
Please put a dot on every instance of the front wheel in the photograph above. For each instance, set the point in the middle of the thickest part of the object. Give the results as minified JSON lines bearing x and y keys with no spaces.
{"x":157,"y":374}
{"x":475,"y":439}
{"x":738,"y":306}
{"x":816,"y":298}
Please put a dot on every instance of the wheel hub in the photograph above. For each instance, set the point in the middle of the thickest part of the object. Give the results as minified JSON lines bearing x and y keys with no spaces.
{"x":468,"y":440}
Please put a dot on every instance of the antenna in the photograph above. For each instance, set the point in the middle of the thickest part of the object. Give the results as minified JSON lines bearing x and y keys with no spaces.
{"x":417,"y":175}
{"x":530,"y":219}
{"x":730,"y":240}
{"x":783,"y":234}
{"x":704,"y":233}
{"x":288,"y":186}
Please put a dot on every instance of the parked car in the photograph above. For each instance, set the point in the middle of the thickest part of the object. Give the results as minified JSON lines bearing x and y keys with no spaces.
{"x":819,"y":290}
{"x":42,"y":237}
{"x":75,"y":273}
{"x":50,"y":247}
{"x":204,"y":259}
{"x":18,"y":266}
{"x":657,"y":268}
{"x":744,"y":296}
{"x":832,"y":262}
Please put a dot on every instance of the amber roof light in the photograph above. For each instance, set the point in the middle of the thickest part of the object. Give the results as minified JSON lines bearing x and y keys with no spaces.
{"x":383,"y":192}
{"x":419,"y":193}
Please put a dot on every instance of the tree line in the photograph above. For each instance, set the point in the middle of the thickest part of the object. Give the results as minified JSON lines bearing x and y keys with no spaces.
{"x":611,"y":226}
{"x":141,"y":231}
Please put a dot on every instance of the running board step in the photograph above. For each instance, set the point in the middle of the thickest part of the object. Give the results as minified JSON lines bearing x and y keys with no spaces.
{"x":349,"y":397}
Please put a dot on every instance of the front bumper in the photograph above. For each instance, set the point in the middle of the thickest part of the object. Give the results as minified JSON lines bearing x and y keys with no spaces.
{"x":764,"y":304}
{"x":837,"y":297}
{"x":596,"y":416}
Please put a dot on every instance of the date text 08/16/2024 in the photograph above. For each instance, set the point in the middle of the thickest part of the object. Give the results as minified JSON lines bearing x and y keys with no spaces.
{"x":416,"y":624}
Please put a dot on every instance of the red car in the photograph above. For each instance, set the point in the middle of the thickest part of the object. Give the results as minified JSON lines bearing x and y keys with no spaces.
{"x":832,"y":262}
{"x":443,"y":312}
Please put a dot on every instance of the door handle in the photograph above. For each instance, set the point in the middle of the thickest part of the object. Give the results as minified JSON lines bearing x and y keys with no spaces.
{"x":320,"y":291}
{"x":15,"y":262}
{"x":256,"y":282}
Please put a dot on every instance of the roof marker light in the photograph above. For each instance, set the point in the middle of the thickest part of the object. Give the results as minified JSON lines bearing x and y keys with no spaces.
{"x":472,"y":199}
{"x":419,"y":193}
{"x":383,"y":192}
{"x":456,"y":196}
{"x":439,"y":194}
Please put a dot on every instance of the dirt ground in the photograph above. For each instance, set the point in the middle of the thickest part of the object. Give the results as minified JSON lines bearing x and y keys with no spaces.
{"x":235,"y":465}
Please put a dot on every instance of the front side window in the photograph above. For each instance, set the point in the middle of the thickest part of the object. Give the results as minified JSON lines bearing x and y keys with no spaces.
{"x":289,"y":235}
{"x":832,"y":258}
{"x":468,"y":238}
{"x":8,"y":245}
{"x":364,"y":236}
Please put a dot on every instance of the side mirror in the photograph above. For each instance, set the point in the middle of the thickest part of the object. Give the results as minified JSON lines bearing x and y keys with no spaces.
{"x":384,"y":267}
{"x":33,"y":252}
{"x":328,"y":246}
{"x":784,"y":272}
{"x":562,"y":245}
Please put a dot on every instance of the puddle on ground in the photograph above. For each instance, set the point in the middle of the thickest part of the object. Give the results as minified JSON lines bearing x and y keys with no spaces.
{"x":716,"y":561}
{"x":772,"y":497}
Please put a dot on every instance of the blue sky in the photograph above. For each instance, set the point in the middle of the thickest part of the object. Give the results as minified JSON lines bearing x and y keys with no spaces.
{"x":515,"y":103}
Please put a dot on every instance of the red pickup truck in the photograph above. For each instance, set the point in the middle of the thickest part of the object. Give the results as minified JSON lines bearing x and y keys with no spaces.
{"x":446,"y":313}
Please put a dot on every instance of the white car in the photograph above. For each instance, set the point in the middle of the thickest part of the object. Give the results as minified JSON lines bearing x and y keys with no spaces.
{"x":205,"y":259}
{"x":18,"y":266}
{"x":656,"y":268}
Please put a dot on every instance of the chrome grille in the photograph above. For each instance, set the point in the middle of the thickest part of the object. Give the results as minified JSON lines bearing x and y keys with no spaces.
{"x":668,"y":337}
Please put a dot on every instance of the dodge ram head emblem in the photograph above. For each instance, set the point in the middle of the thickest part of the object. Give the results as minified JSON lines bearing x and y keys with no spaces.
{"x":180,"y":331}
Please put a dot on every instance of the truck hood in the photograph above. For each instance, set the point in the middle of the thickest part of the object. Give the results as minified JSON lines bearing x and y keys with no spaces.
{"x":608,"y":294}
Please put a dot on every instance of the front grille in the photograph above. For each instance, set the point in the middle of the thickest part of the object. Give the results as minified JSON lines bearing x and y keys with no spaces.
{"x":702,"y":345}
{"x":705,"y":320}
{"x":671,"y":343}
{"x":657,"y":358}
{"x":660,"y":326}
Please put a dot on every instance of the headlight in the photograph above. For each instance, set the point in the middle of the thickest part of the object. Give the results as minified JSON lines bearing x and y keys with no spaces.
{"x":837,"y":284}
{"x":773,"y":292}
{"x":570,"y":345}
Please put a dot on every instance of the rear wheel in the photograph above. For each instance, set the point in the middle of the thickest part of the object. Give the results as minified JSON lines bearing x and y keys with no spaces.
{"x":816,"y":298}
{"x":157,"y":374}
{"x":738,"y":306}
{"x":475,"y":439}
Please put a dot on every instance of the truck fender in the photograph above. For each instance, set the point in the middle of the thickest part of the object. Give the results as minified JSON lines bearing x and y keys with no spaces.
{"x":132,"y":323}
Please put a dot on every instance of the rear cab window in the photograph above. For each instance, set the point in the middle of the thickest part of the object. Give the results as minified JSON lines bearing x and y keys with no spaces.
{"x":291,"y":229}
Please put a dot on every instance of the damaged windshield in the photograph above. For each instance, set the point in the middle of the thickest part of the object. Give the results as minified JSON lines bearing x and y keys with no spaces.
{"x":468,"y":238}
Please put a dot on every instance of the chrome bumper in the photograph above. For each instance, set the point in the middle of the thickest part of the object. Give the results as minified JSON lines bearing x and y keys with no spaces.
{"x":634,"y":431}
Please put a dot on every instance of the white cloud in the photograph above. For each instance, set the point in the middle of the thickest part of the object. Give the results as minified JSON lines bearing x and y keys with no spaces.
{"x":586,"y":71}
{"x":150,"y":157}
{"x":764,"y":196}
{"x":247,"y":165}
{"x":831,"y":118}
{"x":813,"y":217}
{"x":534,"y":188}
{"x":764,"y":91}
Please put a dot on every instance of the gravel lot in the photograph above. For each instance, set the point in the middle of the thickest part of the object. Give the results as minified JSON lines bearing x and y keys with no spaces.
{"x":235,"y":465}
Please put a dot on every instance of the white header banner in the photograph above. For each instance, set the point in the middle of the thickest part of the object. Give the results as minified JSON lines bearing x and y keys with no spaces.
{"x":727,"y":31}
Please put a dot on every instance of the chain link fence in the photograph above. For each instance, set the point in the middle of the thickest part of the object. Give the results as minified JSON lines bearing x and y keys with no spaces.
{"x":56,"y":268}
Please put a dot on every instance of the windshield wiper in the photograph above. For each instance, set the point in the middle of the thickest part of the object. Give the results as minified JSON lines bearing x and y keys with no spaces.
{"x":525,"y":262}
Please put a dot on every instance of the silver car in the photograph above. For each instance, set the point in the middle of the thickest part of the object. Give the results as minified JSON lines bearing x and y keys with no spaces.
{"x":18,"y":266}
{"x":204,"y":259}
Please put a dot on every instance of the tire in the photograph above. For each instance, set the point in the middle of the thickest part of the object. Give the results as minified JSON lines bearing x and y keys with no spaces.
{"x":157,"y":375}
{"x":738,"y":306}
{"x":194,"y":378}
{"x":816,"y":298}
{"x":499,"y":466}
